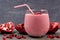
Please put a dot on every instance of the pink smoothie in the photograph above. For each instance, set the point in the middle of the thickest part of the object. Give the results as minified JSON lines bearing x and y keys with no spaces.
{"x":36,"y":25}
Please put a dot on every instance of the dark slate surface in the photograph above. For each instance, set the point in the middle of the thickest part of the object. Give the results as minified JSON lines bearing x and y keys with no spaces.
{"x":8,"y":13}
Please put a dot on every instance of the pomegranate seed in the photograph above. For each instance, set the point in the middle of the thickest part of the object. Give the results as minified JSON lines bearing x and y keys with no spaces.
{"x":10,"y":36}
{"x":4,"y":34}
{"x":7,"y":36}
{"x":4,"y":38}
{"x":18,"y":37}
{"x":14,"y":35}
{"x":57,"y":36}
{"x":50,"y":36}
{"x":24,"y":37}
{"x":37,"y":13}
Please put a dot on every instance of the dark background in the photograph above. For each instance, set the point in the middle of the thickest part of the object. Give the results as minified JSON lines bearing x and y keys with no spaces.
{"x":8,"y":13}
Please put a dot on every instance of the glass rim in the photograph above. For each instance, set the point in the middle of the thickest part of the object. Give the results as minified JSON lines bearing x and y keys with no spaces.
{"x":42,"y":11}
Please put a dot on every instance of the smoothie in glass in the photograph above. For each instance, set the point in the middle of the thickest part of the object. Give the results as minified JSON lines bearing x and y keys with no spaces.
{"x":36,"y":24}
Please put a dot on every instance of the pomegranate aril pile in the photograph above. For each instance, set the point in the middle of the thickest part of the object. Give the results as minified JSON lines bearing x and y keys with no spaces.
{"x":53,"y":27}
{"x":7,"y":27}
{"x":20,"y":28}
